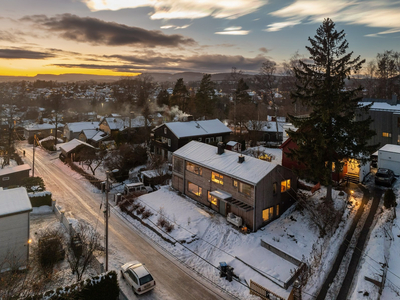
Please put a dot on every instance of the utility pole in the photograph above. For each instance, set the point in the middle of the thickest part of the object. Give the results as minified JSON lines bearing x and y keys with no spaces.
{"x":33,"y":163}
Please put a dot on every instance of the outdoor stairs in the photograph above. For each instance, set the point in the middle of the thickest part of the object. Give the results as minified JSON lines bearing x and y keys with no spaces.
{"x":354,"y":178}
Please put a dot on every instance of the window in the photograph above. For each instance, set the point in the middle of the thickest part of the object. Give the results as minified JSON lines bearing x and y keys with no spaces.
{"x":194,"y":168}
{"x":133,"y":277}
{"x":217,"y":178}
{"x":235,"y":183}
{"x":277,"y":210}
{"x":207,"y":140}
{"x":245,"y":188}
{"x":169,"y":142}
{"x":274,"y":188}
{"x":195,"y":189}
{"x":165,"y":130}
{"x":199,"y":139}
{"x":212,"y":199}
{"x":164,"y":140}
{"x":6,"y":178}
{"x":268,"y":214}
{"x":218,"y":139}
{"x":51,"y":130}
{"x":178,"y":165}
{"x":211,"y":139}
{"x":386,"y":134}
{"x":285,"y":185}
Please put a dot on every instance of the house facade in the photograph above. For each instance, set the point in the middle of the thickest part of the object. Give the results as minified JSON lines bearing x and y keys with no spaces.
{"x":41,"y":130}
{"x":10,"y":176}
{"x":15,"y":207}
{"x":254,"y":190}
{"x":171,"y":136}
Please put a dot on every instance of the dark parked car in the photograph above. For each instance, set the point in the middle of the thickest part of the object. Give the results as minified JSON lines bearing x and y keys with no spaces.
{"x":384,"y":177}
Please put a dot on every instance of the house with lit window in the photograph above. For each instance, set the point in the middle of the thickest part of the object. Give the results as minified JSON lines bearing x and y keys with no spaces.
{"x":253,"y":190}
{"x":171,"y":136}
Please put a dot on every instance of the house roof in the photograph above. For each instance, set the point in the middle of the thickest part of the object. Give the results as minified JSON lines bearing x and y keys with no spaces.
{"x":14,"y":201}
{"x":232,"y":143}
{"x":10,"y":170}
{"x":95,"y":135}
{"x":390,"y":148}
{"x":197,"y":128}
{"x":44,"y":126}
{"x":79,"y":126}
{"x":123,"y":123}
{"x":252,"y":170}
{"x":71,"y":145}
{"x":266,"y":126}
{"x":383,"y":106}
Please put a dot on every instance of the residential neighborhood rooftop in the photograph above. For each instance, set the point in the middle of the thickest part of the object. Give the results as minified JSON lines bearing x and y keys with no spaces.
{"x":71,"y":145}
{"x":14,"y":201}
{"x":79,"y":126}
{"x":251,"y":170}
{"x":195,"y":128}
{"x":10,"y":170}
{"x":391,"y":148}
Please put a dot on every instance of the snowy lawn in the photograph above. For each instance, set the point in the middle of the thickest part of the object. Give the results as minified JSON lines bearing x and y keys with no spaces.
{"x":207,"y":234}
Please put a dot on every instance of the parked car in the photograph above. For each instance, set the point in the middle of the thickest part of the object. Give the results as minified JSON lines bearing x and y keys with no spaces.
{"x":137,"y":275}
{"x":384,"y":177}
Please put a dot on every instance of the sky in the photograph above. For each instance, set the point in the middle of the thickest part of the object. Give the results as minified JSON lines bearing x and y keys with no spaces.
{"x":128,"y":37}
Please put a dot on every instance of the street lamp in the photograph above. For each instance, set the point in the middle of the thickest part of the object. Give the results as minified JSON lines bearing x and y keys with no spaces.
{"x":106,"y":212}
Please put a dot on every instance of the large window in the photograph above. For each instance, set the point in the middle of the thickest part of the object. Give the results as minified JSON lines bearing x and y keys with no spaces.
{"x":285,"y":185}
{"x":268,"y":214}
{"x":178,"y":165}
{"x":194,"y":168}
{"x":386,"y":134}
{"x":195,"y":189}
{"x":217,"y":178}
{"x":212,"y":199}
{"x":235,"y":183}
{"x":245,"y":188}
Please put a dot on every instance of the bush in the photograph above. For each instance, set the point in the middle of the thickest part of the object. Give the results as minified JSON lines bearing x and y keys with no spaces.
{"x":40,"y":199}
{"x":146,"y":214}
{"x":389,"y":199}
{"x":136,"y":206}
{"x":161,"y":221}
{"x":169,"y":227}
{"x":33,"y":184}
{"x":140,"y":210}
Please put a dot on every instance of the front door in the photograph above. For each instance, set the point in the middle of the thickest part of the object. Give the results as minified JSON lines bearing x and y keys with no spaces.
{"x":222,"y":208}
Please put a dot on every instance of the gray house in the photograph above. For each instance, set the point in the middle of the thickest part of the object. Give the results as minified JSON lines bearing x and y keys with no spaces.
{"x":15,"y":207}
{"x":14,"y":175}
{"x":253,"y":190}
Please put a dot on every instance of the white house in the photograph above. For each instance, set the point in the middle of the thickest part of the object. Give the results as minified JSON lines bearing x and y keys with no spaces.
{"x":15,"y":207}
{"x":389,"y":157}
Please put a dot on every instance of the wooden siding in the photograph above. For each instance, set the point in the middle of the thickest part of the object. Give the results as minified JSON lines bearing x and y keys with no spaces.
{"x":14,"y":235}
{"x":14,"y":178}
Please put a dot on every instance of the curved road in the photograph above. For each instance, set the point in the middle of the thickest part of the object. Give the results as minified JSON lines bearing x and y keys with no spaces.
{"x":77,"y":196}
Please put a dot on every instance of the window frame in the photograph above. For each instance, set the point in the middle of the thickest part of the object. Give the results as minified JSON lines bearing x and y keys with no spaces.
{"x":214,"y":179}
{"x":287,"y":185}
{"x":199,"y":169}
{"x":212,"y":199}
{"x":240,"y":188}
{"x":270,"y":214}
{"x":199,"y":188}
{"x":5,"y":178}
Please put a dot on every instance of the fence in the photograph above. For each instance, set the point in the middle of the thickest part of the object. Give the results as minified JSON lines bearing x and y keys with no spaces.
{"x":262,"y":292}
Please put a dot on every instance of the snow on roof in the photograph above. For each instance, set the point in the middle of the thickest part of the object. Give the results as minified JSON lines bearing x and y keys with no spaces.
{"x":231,"y":143}
{"x":221,"y":194}
{"x":196,"y":128}
{"x":10,"y":170}
{"x":121,"y":124}
{"x":71,"y":145}
{"x":35,"y":126}
{"x":382,"y":106}
{"x":252,"y":170}
{"x":391,"y":148}
{"x":79,"y":126}
{"x":14,"y":201}
{"x":267,"y":126}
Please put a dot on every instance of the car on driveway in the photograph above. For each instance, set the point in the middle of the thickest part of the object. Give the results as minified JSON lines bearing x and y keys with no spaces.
{"x":384,"y":177}
{"x":138,"y":277}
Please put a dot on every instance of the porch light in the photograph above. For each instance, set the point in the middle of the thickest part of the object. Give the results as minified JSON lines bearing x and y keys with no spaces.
{"x":29,"y":241}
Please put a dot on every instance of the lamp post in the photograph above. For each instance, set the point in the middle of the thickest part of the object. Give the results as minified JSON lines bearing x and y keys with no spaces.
{"x":106,"y":213}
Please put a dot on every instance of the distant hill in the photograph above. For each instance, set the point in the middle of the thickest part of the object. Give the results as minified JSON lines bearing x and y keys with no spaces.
{"x":160,"y":77}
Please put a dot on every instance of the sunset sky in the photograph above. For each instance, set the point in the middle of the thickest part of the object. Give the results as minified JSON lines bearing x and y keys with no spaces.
{"x":126,"y":37}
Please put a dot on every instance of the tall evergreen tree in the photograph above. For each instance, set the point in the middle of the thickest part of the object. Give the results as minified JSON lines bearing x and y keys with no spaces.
{"x":205,"y":99}
{"x":330,"y":133}
{"x":163,"y":98}
{"x":180,"y":95}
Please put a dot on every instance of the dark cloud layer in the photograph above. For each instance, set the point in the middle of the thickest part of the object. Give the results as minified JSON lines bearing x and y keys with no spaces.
{"x":24,"y":54}
{"x":158,"y":62}
{"x":99,"y":32}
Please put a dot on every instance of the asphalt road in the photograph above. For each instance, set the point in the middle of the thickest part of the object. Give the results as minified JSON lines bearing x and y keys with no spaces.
{"x":173,"y":281}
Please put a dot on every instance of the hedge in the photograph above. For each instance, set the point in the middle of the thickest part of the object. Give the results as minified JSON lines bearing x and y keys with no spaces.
{"x":40,"y":199}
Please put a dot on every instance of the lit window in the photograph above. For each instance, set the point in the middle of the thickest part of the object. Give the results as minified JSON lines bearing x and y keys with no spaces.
{"x":194,"y":168}
{"x":235,"y":183}
{"x":217,"y":178}
{"x":285,"y":185}
{"x":268,"y":214}
{"x":212,"y":199}
{"x":386,"y":134}
{"x":277,"y":210}
{"x":195,"y":189}
{"x":245,"y":188}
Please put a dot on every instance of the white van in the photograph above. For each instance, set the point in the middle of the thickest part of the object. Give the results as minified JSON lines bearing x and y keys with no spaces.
{"x":134,"y":188}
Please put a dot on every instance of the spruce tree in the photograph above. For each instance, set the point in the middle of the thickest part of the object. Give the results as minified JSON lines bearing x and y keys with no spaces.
{"x":330,"y":133}
{"x":205,"y":99}
{"x":180,"y":95}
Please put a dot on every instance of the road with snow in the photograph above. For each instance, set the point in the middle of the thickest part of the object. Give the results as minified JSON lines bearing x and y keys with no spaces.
{"x":77,"y":196}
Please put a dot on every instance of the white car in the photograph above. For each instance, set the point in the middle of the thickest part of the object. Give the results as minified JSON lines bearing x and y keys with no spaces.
{"x":138,"y":277}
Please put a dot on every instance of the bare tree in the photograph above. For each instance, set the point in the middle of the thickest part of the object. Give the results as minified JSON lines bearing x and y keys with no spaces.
{"x":82,"y":249}
{"x":92,"y":159}
{"x":7,"y":140}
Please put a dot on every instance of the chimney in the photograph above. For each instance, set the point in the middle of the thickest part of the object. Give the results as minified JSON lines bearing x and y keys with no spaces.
{"x":394,"y":99}
{"x":221,"y":147}
{"x":189,"y":118}
{"x":241,"y":159}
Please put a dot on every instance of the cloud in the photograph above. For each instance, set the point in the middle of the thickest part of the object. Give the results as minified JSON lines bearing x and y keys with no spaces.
{"x":9,"y":37}
{"x":233,"y":31}
{"x":264,"y":50}
{"x":154,"y":61}
{"x":370,"y":13}
{"x":183,"y":9}
{"x":99,"y":32}
{"x":175,"y":26}
{"x":17,"y":53}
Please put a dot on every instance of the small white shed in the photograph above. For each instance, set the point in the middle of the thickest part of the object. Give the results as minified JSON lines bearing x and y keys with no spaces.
{"x":389,"y":158}
{"x":15,"y":207}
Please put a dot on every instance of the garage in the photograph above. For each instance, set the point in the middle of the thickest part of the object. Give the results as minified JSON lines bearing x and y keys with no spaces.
{"x":389,"y":158}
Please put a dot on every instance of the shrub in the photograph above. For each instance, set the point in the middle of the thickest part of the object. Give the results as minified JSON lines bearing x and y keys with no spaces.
{"x":140,"y":210}
{"x":136,"y":206}
{"x":161,"y":221}
{"x":33,"y":184}
{"x":389,"y":199}
{"x":169,"y":227}
{"x":146,"y":214}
